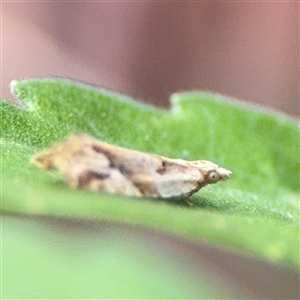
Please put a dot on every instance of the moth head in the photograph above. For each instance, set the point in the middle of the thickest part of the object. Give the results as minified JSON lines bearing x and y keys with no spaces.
{"x":212,"y":172}
{"x":213,"y":176}
{"x":218,"y":174}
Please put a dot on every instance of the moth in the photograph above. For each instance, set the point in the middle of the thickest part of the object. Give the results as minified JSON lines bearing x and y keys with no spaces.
{"x":95,"y":165}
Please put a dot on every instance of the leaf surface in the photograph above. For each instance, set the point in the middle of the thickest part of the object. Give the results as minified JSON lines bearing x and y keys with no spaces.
{"x":256,"y":211}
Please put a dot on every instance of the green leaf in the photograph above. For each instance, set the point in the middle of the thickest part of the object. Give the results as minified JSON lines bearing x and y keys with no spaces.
{"x":256,"y":211}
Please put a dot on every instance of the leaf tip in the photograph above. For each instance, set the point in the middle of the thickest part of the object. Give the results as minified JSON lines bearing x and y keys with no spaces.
{"x":13,"y":84}
{"x":13,"y":88}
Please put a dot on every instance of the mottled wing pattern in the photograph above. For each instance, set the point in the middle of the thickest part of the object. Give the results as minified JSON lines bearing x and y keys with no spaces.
{"x":88,"y":163}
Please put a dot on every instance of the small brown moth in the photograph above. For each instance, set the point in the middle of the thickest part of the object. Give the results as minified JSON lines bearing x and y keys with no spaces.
{"x":88,"y":163}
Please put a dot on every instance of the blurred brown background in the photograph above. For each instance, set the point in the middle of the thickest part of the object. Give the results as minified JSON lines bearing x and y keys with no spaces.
{"x":249,"y":50}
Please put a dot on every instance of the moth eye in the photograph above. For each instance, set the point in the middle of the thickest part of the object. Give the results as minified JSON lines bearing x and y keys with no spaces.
{"x":214,"y":176}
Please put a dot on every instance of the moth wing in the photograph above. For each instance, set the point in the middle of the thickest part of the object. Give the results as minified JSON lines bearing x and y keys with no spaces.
{"x":176,"y":184}
{"x":167,"y":185}
{"x":117,"y":183}
{"x":81,"y":166}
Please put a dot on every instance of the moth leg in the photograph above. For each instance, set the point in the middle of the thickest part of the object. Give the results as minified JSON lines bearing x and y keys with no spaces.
{"x":188,"y":201}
